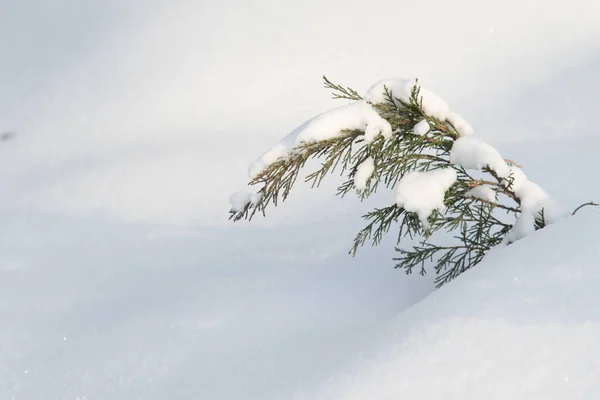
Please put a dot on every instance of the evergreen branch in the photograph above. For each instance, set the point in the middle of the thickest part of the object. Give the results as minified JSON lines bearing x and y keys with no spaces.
{"x":475,"y":220}
{"x":494,"y":204}
{"x":503,"y":186}
{"x":279,"y":177}
{"x":340,"y":92}
{"x":381,"y":221}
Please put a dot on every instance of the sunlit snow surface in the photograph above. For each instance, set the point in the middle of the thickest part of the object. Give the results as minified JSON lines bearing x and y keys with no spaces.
{"x":523,"y":325}
{"x":115,"y":311}
{"x":148,"y":115}
{"x":121,"y":311}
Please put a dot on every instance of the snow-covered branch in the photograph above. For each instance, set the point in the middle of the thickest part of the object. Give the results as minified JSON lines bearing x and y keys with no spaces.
{"x":401,"y":136}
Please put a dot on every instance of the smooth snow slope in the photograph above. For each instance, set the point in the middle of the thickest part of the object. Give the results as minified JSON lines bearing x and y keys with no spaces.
{"x":135,"y":121}
{"x":525,"y":324}
{"x":119,"y":311}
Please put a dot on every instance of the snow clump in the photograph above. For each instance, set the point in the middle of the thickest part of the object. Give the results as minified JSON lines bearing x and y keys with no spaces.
{"x":239,"y":200}
{"x":401,"y":89}
{"x":421,"y":128}
{"x":363,"y":173}
{"x":482,"y":192}
{"x":423,"y":192}
{"x":471,"y":153}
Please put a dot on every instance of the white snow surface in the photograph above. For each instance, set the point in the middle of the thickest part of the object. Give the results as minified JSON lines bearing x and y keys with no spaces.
{"x":421,"y":128}
{"x":283,"y":313}
{"x":363,"y":173}
{"x":423,"y":192}
{"x":359,"y":115}
{"x":472,"y":153}
{"x":524,"y":324}
{"x":112,"y":229}
{"x":483,"y":192}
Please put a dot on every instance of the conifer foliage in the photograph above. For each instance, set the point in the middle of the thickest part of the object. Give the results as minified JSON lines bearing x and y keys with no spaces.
{"x":401,"y":137}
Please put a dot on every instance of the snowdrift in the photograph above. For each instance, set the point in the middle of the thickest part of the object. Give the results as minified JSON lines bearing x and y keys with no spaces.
{"x":524,"y":324}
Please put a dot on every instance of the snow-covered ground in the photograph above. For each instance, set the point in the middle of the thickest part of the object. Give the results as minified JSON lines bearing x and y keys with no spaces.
{"x":121,"y":312}
{"x":121,"y":278}
{"x":523,"y":325}
{"x":114,"y":310}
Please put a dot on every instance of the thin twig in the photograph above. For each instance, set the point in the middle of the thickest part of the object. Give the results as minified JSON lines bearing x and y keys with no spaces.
{"x":590,"y":203}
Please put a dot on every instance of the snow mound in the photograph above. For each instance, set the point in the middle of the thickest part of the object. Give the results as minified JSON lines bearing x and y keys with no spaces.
{"x":357,"y":116}
{"x":524,"y":324}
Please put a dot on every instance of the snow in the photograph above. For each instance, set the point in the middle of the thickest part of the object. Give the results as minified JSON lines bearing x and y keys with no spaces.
{"x":255,"y":198}
{"x":472,"y":153}
{"x":401,"y":89}
{"x":483,"y":192}
{"x":159,"y":313}
{"x":363,"y":173}
{"x":239,"y":200}
{"x":533,"y":198}
{"x":523,"y":226}
{"x":433,"y":105}
{"x":524,"y":324}
{"x":462,"y":127}
{"x":155,"y":312}
{"x":423,"y":192}
{"x":115,"y":237}
{"x":421,"y":128}
{"x":357,"y":116}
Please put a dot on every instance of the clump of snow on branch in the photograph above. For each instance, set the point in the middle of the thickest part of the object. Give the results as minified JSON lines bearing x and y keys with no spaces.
{"x":357,"y":116}
{"x":433,"y":105}
{"x":533,"y":201}
{"x":401,"y":89}
{"x":421,"y":128}
{"x":471,"y":153}
{"x":482,"y":192}
{"x":462,"y":127}
{"x":423,"y":192}
{"x":533,"y":197}
{"x":363,"y":173}
{"x":239,"y":200}
{"x":523,"y":226}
